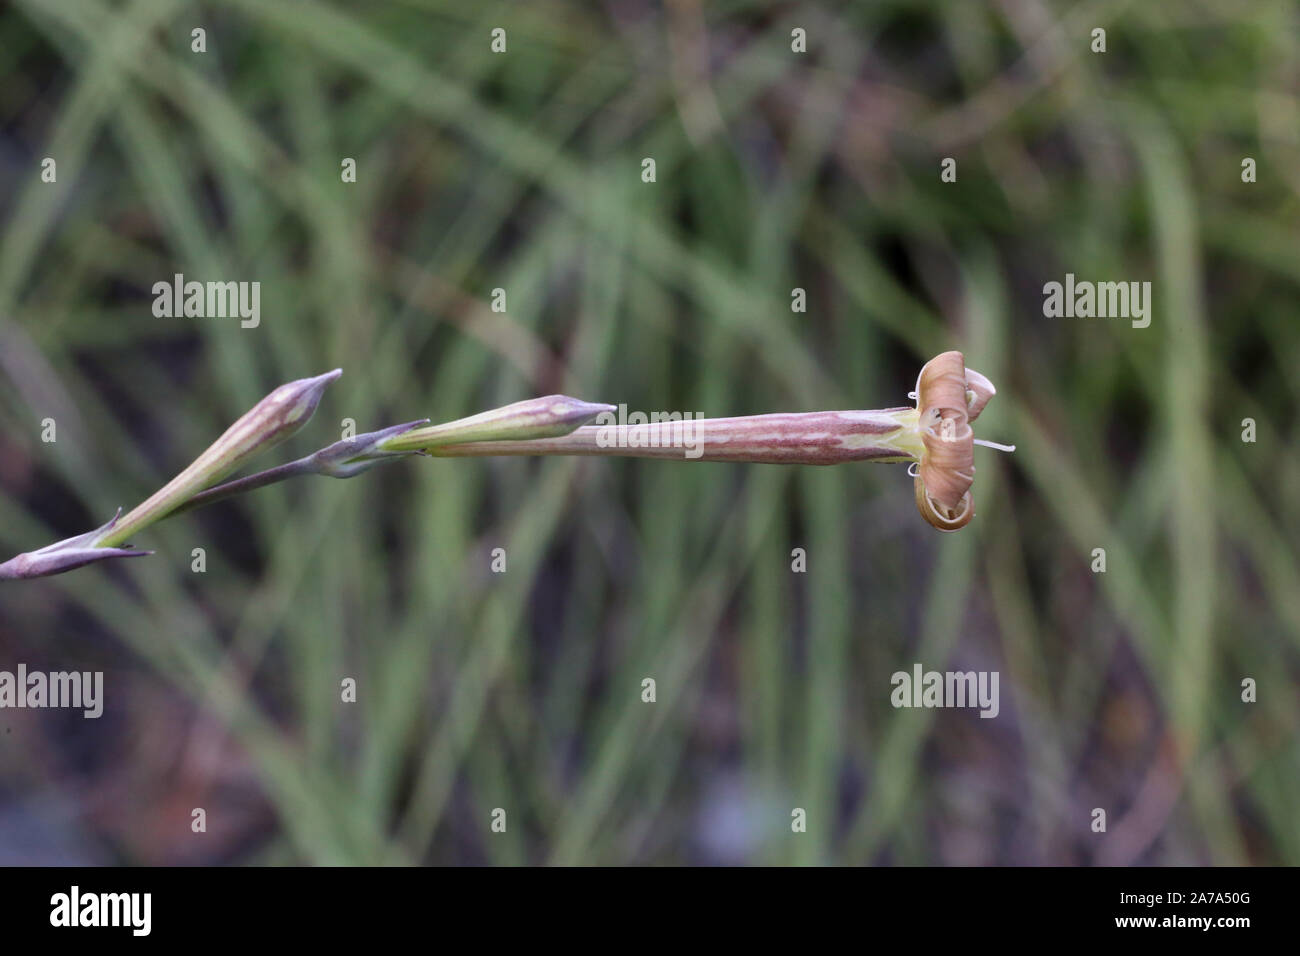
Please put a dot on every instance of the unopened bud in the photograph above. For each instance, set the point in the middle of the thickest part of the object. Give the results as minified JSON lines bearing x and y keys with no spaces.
{"x":547,"y":417}
{"x":65,"y":555}
{"x":269,"y":422}
{"x":352,"y":456}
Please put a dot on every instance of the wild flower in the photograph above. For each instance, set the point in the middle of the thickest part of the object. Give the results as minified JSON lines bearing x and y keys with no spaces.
{"x":935,"y":437}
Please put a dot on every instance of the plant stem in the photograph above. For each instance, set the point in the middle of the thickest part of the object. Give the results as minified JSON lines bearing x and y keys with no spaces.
{"x":303,"y":466}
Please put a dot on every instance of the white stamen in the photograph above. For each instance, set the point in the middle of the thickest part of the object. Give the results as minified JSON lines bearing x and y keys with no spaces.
{"x":993,"y":444}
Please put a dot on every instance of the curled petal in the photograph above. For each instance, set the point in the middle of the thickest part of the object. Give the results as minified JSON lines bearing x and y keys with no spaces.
{"x":945,"y":519}
{"x":948,"y":466}
{"x":948,"y":462}
{"x":942,"y":384}
{"x":978,"y":392}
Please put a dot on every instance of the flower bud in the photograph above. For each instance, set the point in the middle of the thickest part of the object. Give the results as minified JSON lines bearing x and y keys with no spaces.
{"x":65,"y":555}
{"x":547,"y":417}
{"x":352,"y":456}
{"x":269,"y":422}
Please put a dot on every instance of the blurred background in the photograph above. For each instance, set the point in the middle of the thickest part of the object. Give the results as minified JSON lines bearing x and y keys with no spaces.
{"x":775,"y":170}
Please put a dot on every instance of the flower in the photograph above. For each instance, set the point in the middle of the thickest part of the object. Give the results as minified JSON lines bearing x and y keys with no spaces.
{"x":935,"y":436}
{"x":949,"y":397}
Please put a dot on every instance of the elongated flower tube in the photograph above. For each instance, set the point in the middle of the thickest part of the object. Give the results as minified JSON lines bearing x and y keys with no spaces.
{"x":802,"y":438}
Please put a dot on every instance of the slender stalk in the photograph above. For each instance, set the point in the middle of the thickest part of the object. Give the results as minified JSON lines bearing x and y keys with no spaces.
{"x":303,"y":466}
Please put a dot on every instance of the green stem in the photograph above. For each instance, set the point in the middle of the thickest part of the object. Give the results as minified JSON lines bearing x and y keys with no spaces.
{"x":303,"y":466}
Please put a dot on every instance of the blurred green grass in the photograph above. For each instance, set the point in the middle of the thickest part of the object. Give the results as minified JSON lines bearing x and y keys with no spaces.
{"x":774,"y":170}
